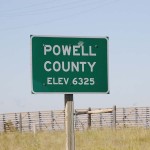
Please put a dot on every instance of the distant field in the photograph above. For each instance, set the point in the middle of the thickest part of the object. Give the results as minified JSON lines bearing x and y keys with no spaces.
{"x":106,"y":139}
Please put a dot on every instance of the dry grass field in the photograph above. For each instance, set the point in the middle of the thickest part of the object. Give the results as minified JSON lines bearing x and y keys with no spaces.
{"x":106,"y":139}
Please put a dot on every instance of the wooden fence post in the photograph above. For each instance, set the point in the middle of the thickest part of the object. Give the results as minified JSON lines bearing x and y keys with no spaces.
{"x":114,"y":117}
{"x":29,"y":119}
{"x":89,"y":119}
{"x":16,"y":122}
{"x":101,"y":120}
{"x":136,"y":116}
{"x":52,"y":120}
{"x":147,"y":117}
{"x":40,"y":121}
{"x":4,"y":122}
{"x":124,"y":117}
{"x":20,"y":122}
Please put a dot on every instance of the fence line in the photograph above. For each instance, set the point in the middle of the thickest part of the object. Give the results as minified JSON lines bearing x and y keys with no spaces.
{"x":83,"y":119}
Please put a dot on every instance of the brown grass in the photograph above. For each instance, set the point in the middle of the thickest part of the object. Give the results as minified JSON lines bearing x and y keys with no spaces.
{"x":106,"y":139}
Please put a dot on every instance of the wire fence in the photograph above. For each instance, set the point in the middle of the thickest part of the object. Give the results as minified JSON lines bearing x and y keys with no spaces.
{"x":55,"y":120}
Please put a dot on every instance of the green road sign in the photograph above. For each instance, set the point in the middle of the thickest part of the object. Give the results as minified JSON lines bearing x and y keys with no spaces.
{"x":69,"y":64}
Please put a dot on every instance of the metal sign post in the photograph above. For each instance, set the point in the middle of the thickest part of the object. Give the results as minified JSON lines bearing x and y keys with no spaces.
{"x":69,"y":122}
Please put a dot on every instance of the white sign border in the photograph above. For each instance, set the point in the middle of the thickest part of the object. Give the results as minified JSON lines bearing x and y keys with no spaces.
{"x":104,"y":37}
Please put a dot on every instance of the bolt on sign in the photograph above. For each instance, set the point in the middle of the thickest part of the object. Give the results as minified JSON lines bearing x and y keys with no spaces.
{"x":69,"y":64}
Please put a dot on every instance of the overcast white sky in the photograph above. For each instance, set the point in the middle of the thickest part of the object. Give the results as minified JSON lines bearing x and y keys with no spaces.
{"x":127,"y":23}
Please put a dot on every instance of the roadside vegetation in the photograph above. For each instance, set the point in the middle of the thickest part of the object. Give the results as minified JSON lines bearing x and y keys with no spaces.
{"x":98,"y":139}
